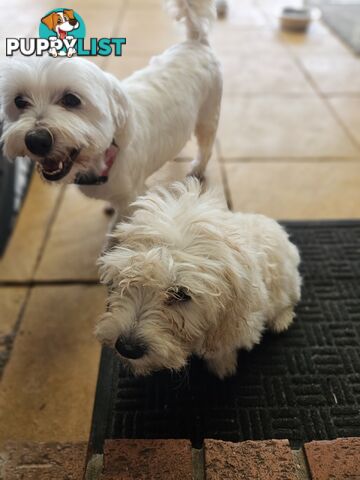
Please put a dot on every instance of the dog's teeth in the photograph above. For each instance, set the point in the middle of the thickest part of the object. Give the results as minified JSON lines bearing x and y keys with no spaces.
{"x":61,"y":166}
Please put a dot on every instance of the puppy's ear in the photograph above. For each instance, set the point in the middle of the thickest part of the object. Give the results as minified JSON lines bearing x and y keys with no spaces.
{"x":121,"y":112}
{"x":69,"y":13}
{"x":108,"y":272}
{"x":111,"y":264}
{"x":50,"y":20}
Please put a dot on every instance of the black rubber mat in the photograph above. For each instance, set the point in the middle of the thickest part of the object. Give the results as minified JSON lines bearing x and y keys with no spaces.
{"x":302,"y":385}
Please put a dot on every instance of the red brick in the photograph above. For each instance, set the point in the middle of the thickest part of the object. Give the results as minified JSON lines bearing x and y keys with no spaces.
{"x":147,"y":459}
{"x":271,"y":459}
{"x":43,"y":461}
{"x":334,"y":460}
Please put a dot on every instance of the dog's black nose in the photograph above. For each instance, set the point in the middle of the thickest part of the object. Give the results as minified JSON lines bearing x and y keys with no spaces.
{"x":130,"y":348}
{"x":39,"y":141}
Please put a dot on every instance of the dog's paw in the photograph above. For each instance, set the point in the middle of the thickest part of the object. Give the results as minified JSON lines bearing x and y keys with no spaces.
{"x":283,"y":320}
{"x":223,"y":366}
{"x":53,"y":52}
{"x":71,"y":52}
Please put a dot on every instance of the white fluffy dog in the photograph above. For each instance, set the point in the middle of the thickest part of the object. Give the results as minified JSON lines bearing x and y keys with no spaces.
{"x":189,"y":277}
{"x":82,"y":125}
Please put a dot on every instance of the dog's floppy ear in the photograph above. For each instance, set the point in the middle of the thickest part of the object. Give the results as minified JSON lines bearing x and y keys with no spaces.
{"x":121,"y":111}
{"x":69,"y":13}
{"x":50,"y":20}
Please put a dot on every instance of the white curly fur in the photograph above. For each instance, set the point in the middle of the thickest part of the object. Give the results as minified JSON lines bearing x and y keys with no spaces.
{"x":150,"y":115}
{"x":239,"y":269}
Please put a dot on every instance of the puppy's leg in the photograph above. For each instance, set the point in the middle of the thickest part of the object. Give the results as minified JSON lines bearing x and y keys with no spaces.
{"x":122,"y":211}
{"x":283,"y":320}
{"x":205,"y":131}
{"x":223,"y":364}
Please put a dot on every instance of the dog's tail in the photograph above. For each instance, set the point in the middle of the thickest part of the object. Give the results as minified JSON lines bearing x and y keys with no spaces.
{"x":197,"y":14}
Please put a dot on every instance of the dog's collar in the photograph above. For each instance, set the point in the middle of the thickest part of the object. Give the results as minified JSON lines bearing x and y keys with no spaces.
{"x":90,"y":178}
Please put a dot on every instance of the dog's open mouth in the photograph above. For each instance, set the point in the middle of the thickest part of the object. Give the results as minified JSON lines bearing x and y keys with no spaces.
{"x":53,"y":170}
{"x":62,"y":34}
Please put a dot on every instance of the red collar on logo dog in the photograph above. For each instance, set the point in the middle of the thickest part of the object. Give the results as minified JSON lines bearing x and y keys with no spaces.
{"x":90,"y":178}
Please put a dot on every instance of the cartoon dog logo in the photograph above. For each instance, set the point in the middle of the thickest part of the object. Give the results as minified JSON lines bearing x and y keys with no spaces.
{"x":61,"y":22}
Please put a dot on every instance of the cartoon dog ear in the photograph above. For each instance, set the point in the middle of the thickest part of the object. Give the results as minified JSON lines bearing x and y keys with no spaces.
{"x":50,"y":20}
{"x":69,"y":13}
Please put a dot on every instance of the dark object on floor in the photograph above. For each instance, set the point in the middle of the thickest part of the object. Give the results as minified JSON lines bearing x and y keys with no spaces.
{"x":222,"y":8}
{"x":109,"y":210}
{"x":14,"y":180}
{"x":295,"y":19}
{"x":343,"y":17}
{"x":301,"y":385}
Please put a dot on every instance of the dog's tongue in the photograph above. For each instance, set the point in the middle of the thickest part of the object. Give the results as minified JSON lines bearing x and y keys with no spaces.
{"x":50,"y":165}
{"x":62,"y":34}
{"x":110,"y":155}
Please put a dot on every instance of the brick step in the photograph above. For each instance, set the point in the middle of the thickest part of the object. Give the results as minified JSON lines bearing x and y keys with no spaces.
{"x":42,"y":461}
{"x":176,"y":460}
{"x":263,"y":460}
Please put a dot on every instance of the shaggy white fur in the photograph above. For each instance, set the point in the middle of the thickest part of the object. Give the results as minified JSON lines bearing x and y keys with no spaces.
{"x":187,"y":276}
{"x":149,"y":116}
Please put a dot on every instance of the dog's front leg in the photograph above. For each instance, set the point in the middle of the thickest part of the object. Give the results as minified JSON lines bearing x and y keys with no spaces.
{"x":222,"y":364}
{"x":122,"y":211}
{"x":110,"y":241}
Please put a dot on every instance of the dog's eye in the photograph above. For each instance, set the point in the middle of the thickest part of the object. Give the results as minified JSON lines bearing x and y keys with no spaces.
{"x":70,"y":100}
{"x":21,"y":103}
{"x":59,"y":21}
{"x":177,"y":295}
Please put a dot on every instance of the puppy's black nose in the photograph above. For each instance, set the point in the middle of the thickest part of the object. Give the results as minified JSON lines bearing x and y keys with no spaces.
{"x":130,"y":348}
{"x":39,"y":141}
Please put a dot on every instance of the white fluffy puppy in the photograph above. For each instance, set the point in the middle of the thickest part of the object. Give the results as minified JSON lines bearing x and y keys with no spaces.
{"x":189,"y":277}
{"x":82,"y":125}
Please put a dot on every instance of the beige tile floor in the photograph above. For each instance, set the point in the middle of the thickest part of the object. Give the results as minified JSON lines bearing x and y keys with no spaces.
{"x":288,"y":146}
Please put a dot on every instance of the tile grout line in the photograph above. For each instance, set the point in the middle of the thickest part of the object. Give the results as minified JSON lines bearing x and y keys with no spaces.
{"x":48,"y":283}
{"x":301,"y":464}
{"x":261,"y":12}
{"x":117,"y":24}
{"x":315,"y":87}
{"x":198,"y":463}
{"x":325,"y":101}
{"x":47,"y":233}
{"x":244,"y":94}
{"x":293,"y":160}
{"x":15,"y":330}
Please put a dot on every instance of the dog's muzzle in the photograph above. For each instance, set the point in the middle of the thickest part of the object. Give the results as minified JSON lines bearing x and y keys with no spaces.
{"x":39,"y":141}
{"x":131,"y":348}
{"x":54,"y":169}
